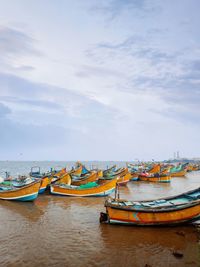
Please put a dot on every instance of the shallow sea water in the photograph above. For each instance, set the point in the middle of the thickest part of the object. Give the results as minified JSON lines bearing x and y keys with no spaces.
{"x":65,"y":231}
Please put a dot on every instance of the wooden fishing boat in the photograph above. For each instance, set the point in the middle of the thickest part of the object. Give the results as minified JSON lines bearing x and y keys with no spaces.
{"x":56,"y":176}
{"x":123,"y":176}
{"x":134,"y":176}
{"x":159,"y":178}
{"x":44,"y":184}
{"x":25,"y":193}
{"x":154,"y":169}
{"x":195,"y":168}
{"x":165,"y":170}
{"x":93,"y":176}
{"x":123,"y":180}
{"x":179,"y":209}
{"x":64,"y":179}
{"x":178,"y":173}
{"x":118,"y":173}
{"x":100,"y":173}
{"x":110,"y":170}
{"x":77,"y":171}
{"x":94,"y":189}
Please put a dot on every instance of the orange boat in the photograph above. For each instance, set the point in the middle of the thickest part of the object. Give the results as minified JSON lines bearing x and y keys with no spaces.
{"x":179,"y":209}
{"x":93,"y":176}
{"x":123,"y":180}
{"x":44,"y":184}
{"x":77,"y":171}
{"x":56,"y":176}
{"x":178,"y":173}
{"x":25,"y":193}
{"x":154,"y":169}
{"x":94,"y":189}
{"x":161,"y":178}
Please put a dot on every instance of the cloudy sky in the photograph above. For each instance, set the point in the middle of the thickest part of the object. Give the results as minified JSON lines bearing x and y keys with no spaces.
{"x":99,"y":79}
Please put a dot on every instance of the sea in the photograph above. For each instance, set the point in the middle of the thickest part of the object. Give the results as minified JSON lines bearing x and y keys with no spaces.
{"x":65,"y":231}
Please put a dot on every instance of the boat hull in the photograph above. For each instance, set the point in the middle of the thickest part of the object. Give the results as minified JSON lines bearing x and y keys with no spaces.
{"x":124,"y":179}
{"x":25,"y":193}
{"x":117,"y":216}
{"x":160,"y":179}
{"x":44,"y":184}
{"x":91,"y":178}
{"x":178,"y":174}
{"x":101,"y":190}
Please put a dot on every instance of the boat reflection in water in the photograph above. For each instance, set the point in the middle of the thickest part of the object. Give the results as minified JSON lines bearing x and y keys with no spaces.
{"x":27,"y":210}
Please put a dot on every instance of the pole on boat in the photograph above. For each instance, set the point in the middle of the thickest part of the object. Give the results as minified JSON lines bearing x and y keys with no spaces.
{"x":116,"y":191}
{"x":118,"y":196}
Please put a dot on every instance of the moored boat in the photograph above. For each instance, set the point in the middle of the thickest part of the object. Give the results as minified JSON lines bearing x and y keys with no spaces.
{"x":161,"y":178}
{"x":123,"y":180}
{"x":25,"y":193}
{"x":44,"y":184}
{"x":178,"y":173}
{"x":91,"y":177}
{"x":98,"y":188}
{"x":179,"y":209}
{"x":77,"y":171}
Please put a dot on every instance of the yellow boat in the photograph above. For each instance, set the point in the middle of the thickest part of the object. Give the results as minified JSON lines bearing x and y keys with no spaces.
{"x":156,"y":178}
{"x":56,"y":176}
{"x":154,"y":169}
{"x":44,"y":184}
{"x":178,"y":173}
{"x":93,"y":176}
{"x":123,"y":177}
{"x":97,"y":189}
{"x":77,"y":171}
{"x":166,"y":211}
{"x":64,"y":179}
{"x":123,"y":180}
{"x":134,"y":176}
{"x":25,"y":193}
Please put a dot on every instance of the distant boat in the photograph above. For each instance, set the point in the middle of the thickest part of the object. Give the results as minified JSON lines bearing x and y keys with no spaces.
{"x":121,"y":179}
{"x":179,"y":209}
{"x":94,"y":189}
{"x":155,"y":177}
{"x":25,"y":193}
{"x":178,"y":171}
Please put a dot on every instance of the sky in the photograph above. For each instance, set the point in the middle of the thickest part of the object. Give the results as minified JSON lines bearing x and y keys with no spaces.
{"x":99,"y":79}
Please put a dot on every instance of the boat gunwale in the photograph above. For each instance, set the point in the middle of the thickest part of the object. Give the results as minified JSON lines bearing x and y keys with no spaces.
{"x":84,"y":189}
{"x":22,"y":187}
{"x":165,"y":198}
{"x":161,"y":209}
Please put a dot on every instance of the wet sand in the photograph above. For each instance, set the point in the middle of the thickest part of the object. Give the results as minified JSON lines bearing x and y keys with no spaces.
{"x":65,"y":231}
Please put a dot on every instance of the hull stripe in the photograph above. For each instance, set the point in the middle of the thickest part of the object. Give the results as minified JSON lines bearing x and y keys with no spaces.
{"x":19,"y":197}
{"x":84,"y":195}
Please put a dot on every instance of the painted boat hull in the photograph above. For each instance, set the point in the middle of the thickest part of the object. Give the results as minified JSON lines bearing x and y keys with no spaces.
{"x":181,"y":216}
{"x":56,"y":176}
{"x":174,"y":210}
{"x":91,"y":178}
{"x":156,"y":168}
{"x":25,"y":193}
{"x":178,"y":174}
{"x":103,"y":189}
{"x":44,"y":184}
{"x":77,"y":172}
{"x":134,"y":178}
{"x":124,"y":179}
{"x":161,"y":179}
